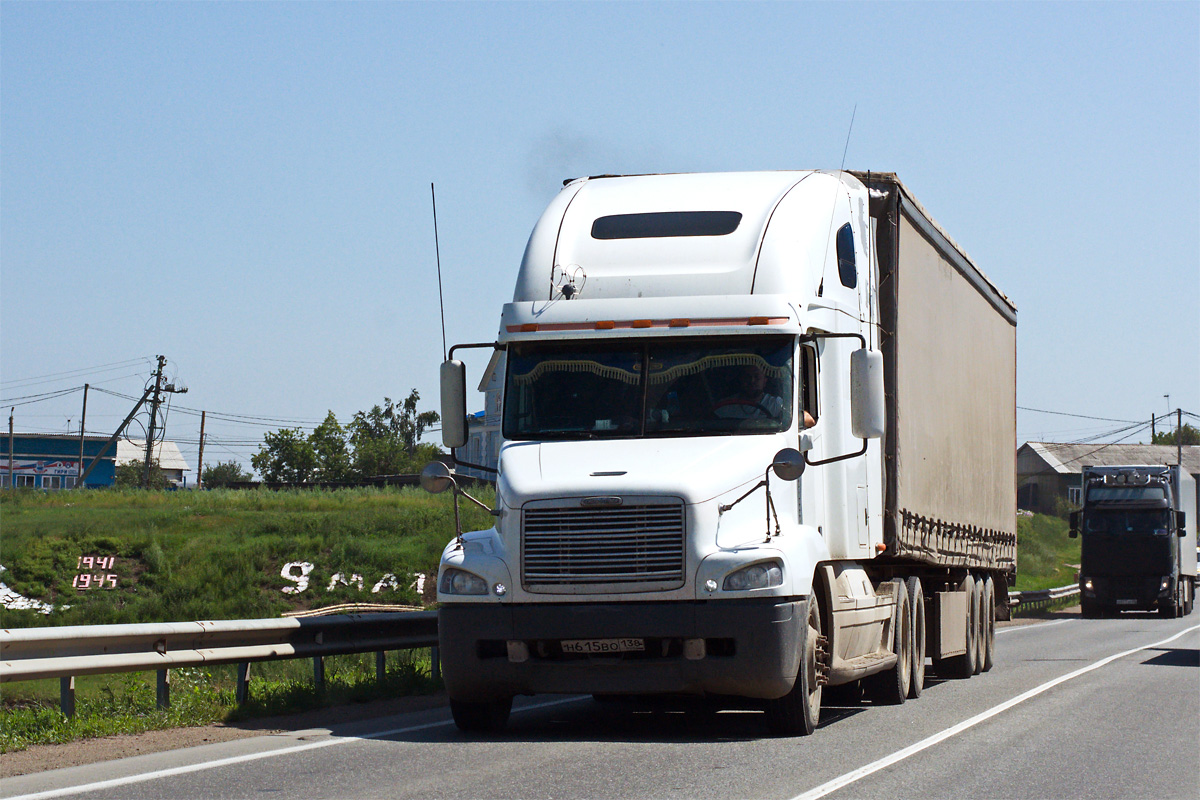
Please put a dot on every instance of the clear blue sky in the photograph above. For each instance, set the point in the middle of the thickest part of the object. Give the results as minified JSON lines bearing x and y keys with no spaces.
{"x":244,"y":187}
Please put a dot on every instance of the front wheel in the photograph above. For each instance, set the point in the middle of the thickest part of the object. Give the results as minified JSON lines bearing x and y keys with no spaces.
{"x":797,"y":712}
{"x":487,"y":717}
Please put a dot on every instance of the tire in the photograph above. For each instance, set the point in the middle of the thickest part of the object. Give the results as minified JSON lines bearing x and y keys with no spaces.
{"x":989,"y":624}
{"x":1088,"y":610}
{"x":964,"y":666}
{"x":891,"y":686}
{"x":1191,"y":598}
{"x":798,"y":711}
{"x":1171,"y":610}
{"x":979,"y":626}
{"x":916,"y":600}
{"x":487,"y":717}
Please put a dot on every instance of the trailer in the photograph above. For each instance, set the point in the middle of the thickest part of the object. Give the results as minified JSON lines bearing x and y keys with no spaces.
{"x":759,"y":439}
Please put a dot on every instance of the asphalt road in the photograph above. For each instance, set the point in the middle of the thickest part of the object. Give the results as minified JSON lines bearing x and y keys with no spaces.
{"x":1074,"y":708}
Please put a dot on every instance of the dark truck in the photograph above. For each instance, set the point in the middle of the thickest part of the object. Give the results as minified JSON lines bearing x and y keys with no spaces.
{"x":1139,"y":546}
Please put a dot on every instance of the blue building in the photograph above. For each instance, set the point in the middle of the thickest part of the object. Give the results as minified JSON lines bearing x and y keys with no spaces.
{"x":51,"y":461}
{"x":483,"y":427}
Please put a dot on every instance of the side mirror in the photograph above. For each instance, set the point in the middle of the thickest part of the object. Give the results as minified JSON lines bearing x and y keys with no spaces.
{"x":788,"y":464}
{"x":436,"y":477}
{"x":1181,"y":522}
{"x":1074,"y":522}
{"x":868,"y":417}
{"x":454,"y":403}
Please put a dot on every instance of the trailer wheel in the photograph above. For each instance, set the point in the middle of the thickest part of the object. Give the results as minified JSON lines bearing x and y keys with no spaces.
{"x":1191,"y":597}
{"x":979,"y":626}
{"x":487,"y":717}
{"x":797,"y":712}
{"x":989,"y":623}
{"x":916,"y":599}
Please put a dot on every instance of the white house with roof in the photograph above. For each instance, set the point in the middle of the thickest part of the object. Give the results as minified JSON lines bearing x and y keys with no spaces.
{"x":170,"y":459}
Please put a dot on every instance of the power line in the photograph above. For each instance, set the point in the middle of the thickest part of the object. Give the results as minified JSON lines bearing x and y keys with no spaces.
{"x":1080,"y":416}
{"x":38,"y":398}
{"x":53,"y":376}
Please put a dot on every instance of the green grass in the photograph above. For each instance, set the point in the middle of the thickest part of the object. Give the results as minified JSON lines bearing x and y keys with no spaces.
{"x":218,"y":554}
{"x":1046,"y":556}
{"x":126,"y":702}
{"x":212,"y":555}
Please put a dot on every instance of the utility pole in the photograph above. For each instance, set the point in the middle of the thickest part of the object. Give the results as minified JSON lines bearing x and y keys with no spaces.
{"x":1152,"y":432}
{"x":82,"y":422}
{"x":12,"y":483}
{"x":200,"y":456}
{"x":1179,"y":438}
{"x":157,"y":390}
{"x":155,"y":399}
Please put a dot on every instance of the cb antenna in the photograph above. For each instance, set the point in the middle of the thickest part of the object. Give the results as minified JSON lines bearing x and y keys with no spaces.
{"x":438,"y":254}
{"x":833,"y":211}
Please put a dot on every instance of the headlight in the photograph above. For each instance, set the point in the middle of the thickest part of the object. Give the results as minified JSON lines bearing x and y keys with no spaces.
{"x":457,"y":581}
{"x":755,"y":576}
{"x":1166,"y":584}
{"x":1087,"y":584}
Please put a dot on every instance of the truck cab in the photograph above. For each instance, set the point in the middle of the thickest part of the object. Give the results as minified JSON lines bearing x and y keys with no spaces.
{"x":1137,"y":549}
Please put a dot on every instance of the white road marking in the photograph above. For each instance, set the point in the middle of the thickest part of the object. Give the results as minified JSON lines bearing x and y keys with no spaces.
{"x":1035,"y":626}
{"x":283,"y":751}
{"x":862,"y":772}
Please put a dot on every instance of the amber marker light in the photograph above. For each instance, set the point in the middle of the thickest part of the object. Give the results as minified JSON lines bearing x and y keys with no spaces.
{"x":680,"y":323}
{"x":605,"y":325}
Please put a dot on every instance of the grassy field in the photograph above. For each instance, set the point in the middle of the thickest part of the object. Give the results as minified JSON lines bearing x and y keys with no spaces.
{"x":1046,"y":557}
{"x":213,"y":555}
{"x":133,"y":556}
{"x":168,"y":556}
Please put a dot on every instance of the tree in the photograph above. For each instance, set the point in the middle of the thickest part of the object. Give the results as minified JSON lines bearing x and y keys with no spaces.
{"x":223,"y":474}
{"x":1191,"y":435}
{"x":285,"y":456}
{"x":329,"y":444}
{"x":130,"y":475}
{"x":385,"y":438}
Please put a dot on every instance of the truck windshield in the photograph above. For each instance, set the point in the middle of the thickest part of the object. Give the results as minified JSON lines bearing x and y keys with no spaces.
{"x":1127,"y":523}
{"x":1101,"y":494}
{"x":693,"y":387}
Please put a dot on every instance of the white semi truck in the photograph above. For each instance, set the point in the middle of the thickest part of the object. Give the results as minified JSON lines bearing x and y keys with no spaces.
{"x":759,"y":435}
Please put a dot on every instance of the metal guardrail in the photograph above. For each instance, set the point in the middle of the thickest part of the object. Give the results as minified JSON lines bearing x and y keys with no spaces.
{"x":1041,"y":597}
{"x":70,"y":651}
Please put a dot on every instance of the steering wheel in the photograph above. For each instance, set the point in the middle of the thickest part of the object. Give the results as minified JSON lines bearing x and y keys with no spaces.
{"x":734,"y":401}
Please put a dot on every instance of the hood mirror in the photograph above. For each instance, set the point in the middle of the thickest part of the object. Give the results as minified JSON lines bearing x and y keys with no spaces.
{"x":788,"y":464}
{"x":436,"y":477}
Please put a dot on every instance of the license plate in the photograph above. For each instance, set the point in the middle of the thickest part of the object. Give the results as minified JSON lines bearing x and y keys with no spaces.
{"x":600,"y":646}
{"x":1127,"y":602}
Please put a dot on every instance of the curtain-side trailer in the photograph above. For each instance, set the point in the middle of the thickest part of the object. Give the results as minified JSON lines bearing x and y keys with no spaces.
{"x":759,"y":439}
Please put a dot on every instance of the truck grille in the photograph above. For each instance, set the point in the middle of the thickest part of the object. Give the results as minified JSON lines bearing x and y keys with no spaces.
{"x":573,"y":549}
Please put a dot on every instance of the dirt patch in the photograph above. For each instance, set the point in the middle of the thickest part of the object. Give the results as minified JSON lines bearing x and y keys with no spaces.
{"x":40,"y":758}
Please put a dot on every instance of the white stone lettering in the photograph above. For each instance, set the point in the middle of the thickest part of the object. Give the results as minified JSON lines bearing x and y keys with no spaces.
{"x":340,"y":578}
{"x":289,"y":572}
{"x":388,"y":581}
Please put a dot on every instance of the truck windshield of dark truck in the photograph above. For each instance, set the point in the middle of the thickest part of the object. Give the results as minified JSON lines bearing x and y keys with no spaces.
{"x":652,"y":388}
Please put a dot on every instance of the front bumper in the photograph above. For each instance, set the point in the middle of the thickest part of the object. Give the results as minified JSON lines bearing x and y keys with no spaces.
{"x":1127,"y":593}
{"x":750,"y":648}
